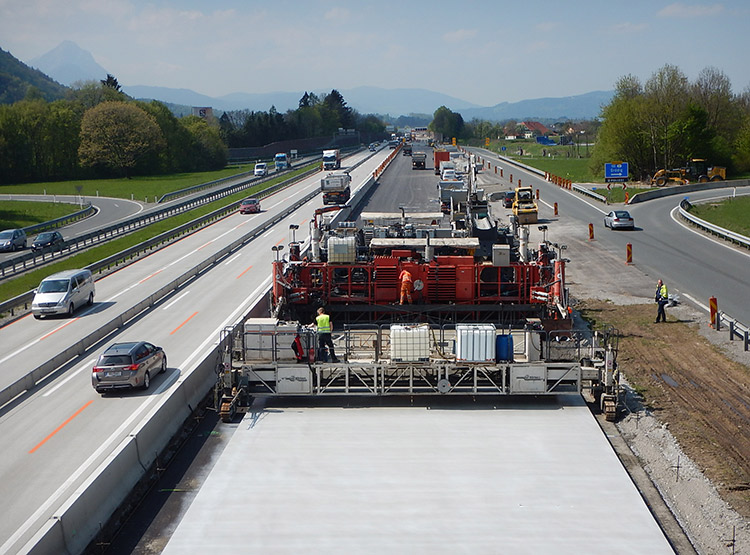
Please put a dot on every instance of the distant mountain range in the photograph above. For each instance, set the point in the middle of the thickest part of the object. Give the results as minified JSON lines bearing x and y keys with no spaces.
{"x":68,"y":63}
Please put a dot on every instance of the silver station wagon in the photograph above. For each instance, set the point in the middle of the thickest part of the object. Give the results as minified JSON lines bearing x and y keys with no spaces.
{"x":128,"y":366}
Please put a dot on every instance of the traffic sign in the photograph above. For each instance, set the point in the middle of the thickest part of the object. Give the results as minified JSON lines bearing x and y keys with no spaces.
{"x":616,"y":171}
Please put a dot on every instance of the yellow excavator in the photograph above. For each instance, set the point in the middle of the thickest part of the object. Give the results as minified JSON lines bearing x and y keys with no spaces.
{"x":696,"y":170}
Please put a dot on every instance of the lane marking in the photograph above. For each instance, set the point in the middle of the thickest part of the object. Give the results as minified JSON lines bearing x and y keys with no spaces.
{"x":60,"y":427}
{"x":86,"y":365}
{"x":185,"y":322}
{"x":678,"y":221}
{"x":176,"y":299}
{"x":269,"y":232}
{"x":149,"y":277}
{"x":235,"y":257}
{"x":700,"y":304}
{"x":45,"y":336}
{"x":278,"y":242}
{"x":243,"y":273}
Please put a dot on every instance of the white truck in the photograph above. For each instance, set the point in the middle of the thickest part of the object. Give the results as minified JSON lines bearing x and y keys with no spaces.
{"x":331,"y":159}
{"x":281,"y":161}
{"x":336,"y":188}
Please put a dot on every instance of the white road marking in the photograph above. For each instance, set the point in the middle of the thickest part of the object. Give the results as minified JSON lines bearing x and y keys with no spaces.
{"x":84,"y":469}
{"x":235,"y":257}
{"x":678,"y":221}
{"x":86,"y":365}
{"x":175,"y":300}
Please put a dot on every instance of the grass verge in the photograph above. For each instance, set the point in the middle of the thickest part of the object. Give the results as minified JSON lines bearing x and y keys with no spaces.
{"x":30,"y":280}
{"x":20,"y":213}
{"x":732,"y":214}
{"x":138,"y":188}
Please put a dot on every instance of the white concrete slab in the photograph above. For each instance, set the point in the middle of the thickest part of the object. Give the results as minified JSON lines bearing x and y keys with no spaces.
{"x":522,"y":476}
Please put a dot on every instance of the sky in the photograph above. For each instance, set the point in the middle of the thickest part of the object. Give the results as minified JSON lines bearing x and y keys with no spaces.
{"x":480,"y":51}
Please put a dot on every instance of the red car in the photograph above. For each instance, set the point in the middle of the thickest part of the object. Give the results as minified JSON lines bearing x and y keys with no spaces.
{"x":250,"y":206}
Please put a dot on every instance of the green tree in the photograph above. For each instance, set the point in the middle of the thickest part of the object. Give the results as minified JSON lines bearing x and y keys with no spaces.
{"x":111,"y":82}
{"x":117,"y":135}
{"x":449,"y":124}
{"x":209,"y":151}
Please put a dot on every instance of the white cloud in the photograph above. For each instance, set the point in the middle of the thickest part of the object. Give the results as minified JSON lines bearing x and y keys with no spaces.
{"x":460,"y":35}
{"x":337,"y":14}
{"x":689,"y":11}
{"x":627,"y":28}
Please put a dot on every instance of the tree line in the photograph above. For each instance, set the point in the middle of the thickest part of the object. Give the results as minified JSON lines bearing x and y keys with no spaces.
{"x":661,"y":123}
{"x":98,"y":131}
{"x":668,"y":120}
{"x":314,"y":117}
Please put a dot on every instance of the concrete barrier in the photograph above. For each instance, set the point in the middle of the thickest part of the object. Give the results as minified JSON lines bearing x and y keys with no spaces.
{"x":79,"y":520}
{"x":682,"y":189}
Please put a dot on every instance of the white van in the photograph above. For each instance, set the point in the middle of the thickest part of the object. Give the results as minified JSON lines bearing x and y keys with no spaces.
{"x":261,"y":169}
{"x":63,"y":292}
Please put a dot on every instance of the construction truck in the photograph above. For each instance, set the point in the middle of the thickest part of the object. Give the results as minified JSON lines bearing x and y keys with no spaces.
{"x":336,"y":188}
{"x":696,"y":170}
{"x":418,"y":160}
{"x":331,"y":159}
{"x":524,"y":206}
{"x":440,"y":156}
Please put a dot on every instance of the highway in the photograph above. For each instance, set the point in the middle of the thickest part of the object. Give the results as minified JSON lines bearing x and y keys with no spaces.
{"x":57,"y":434}
{"x":694,"y":265}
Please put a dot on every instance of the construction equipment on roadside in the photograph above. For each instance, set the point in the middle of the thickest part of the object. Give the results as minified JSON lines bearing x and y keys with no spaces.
{"x":696,"y":170}
{"x":524,"y":206}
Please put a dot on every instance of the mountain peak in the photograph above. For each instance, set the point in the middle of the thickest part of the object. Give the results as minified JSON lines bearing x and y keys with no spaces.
{"x":68,"y":63}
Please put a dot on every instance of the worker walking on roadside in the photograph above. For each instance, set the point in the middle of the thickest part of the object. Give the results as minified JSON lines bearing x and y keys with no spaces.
{"x":661,"y":298}
{"x":406,"y":285}
{"x":323,"y":323}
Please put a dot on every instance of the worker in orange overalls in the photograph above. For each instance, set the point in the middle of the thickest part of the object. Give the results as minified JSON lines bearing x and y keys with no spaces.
{"x":406,"y":285}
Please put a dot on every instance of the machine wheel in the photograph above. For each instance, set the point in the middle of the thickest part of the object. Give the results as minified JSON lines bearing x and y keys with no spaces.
{"x":703,"y":179}
{"x":146,"y":381}
{"x":661,"y":181}
{"x":716,"y":178}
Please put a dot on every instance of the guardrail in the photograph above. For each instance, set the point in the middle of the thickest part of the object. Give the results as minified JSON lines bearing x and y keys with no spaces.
{"x":735,"y":238}
{"x":28,"y":260}
{"x":71,"y":527}
{"x":23,"y":300}
{"x":57,"y":222}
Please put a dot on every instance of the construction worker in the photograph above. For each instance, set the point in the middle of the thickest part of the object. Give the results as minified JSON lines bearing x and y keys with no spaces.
{"x":406,"y":285}
{"x":661,"y":298}
{"x":323,"y":323}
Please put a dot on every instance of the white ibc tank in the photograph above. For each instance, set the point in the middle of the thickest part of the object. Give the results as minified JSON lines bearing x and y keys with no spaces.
{"x":410,"y":343}
{"x":342,"y":250}
{"x":475,"y":342}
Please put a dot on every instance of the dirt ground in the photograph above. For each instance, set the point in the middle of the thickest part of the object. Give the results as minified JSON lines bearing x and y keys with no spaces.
{"x":688,"y":405}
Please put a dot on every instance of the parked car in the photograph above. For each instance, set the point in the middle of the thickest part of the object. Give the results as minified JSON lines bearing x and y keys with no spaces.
{"x":508,"y":199}
{"x":12,"y":239}
{"x":62,"y":293}
{"x":47,"y":239}
{"x":128,"y":366}
{"x":250,"y":206}
{"x":261,"y":169}
{"x":619,"y":219}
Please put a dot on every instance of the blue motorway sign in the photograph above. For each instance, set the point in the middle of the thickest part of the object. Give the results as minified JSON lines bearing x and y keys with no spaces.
{"x":503,"y":148}
{"x":616,"y":171}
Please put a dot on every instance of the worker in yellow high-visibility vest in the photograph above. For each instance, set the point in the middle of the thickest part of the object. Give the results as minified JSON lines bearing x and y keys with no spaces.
{"x":662,"y":298}
{"x":323,"y":323}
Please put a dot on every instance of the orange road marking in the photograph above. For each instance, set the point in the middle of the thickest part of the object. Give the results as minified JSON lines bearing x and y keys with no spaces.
{"x":243,"y":273}
{"x":279,"y":242}
{"x":58,"y":329}
{"x":149,"y":277}
{"x":60,"y":427}
{"x":185,"y":322}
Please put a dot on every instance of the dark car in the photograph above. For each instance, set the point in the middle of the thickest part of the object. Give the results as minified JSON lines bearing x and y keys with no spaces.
{"x":12,"y":239}
{"x":47,"y":239}
{"x":128,"y":366}
{"x":250,"y":206}
{"x":508,"y":199}
{"x":619,"y":219}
